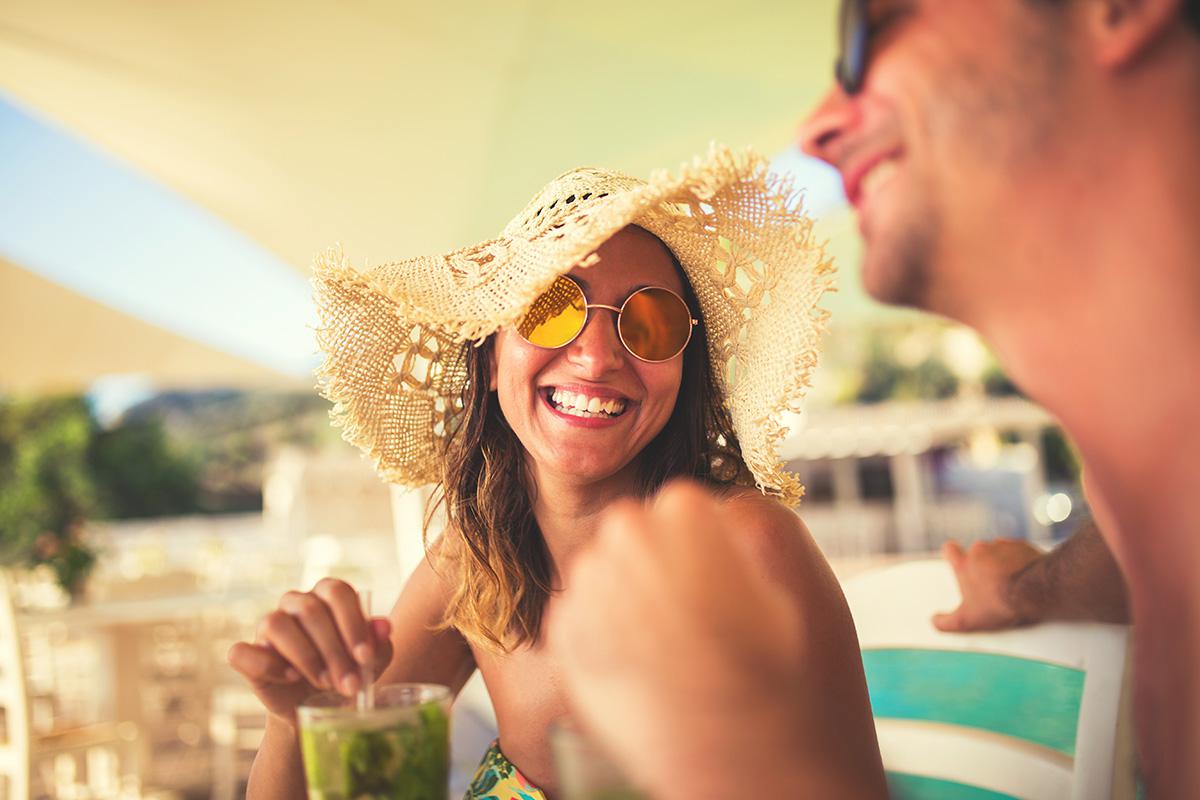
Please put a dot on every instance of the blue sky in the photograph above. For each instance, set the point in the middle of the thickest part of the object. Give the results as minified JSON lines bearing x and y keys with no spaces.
{"x":822,"y":183}
{"x":80,"y":218}
{"x":84,"y":220}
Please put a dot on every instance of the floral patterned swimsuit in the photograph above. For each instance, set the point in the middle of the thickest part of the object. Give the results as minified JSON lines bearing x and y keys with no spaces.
{"x":498,"y":779}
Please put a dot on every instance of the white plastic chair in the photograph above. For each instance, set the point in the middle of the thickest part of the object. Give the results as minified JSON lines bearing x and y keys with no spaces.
{"x":1037,"y":713}
{"x":83,"y":759}
{"x":15,"y":745}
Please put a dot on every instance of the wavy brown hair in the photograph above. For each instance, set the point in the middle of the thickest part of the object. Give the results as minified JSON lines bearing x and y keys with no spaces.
{"x":500,"y":565}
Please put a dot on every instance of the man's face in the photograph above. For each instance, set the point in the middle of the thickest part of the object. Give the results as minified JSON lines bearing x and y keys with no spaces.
{"x":942,"y":145}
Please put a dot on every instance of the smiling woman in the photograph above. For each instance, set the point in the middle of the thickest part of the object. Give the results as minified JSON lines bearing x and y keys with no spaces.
{"x":585,"y":414}
{"x":618,"y":334}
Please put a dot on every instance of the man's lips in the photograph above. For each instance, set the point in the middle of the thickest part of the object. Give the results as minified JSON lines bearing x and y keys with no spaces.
{"x":853,"y":174}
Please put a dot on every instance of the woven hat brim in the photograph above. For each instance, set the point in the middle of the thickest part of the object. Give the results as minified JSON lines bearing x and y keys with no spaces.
{"x":395,"y":337}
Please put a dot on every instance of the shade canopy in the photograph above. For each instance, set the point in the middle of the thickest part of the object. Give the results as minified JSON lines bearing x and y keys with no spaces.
{"x":403,"y":128}
{"x":53,"y":339}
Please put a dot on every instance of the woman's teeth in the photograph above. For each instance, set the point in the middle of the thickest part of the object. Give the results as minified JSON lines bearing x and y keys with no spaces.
{"x":580,"y":405}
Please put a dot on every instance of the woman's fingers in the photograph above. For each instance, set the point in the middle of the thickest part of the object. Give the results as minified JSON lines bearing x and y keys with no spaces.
{"x":261,"y":665}
{"x":321,"y":636}
{"x":283,"y":632}
{"x":316,"y":618}
{"x":346,"y":607}
{"x":381,"y":630}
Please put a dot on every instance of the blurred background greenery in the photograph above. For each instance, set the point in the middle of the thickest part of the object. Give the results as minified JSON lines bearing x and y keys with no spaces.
{"x":175,"y":454}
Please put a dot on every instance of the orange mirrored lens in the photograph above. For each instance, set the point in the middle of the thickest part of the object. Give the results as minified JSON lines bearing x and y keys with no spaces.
{"x":655,"y":324}
{"x":556,"y":317}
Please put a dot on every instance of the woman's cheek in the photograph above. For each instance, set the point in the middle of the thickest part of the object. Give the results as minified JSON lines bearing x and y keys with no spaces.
{"x":664,"y":388}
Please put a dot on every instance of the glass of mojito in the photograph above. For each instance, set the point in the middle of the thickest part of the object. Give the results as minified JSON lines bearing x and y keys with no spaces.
{"x":398,"y":749}
{"x":585,"y":772}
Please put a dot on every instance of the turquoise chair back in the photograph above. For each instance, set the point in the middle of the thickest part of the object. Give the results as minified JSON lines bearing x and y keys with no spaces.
{"x":1031,"y":713}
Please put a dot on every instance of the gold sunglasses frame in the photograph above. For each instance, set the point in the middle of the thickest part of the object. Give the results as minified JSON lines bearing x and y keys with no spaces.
{"x":587,"y":316}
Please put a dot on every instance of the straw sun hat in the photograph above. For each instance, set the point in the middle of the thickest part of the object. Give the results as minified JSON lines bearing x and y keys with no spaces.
{"x":395,"y":337}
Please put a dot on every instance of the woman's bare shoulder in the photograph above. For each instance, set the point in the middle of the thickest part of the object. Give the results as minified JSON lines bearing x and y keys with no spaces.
{"x":763,"y":518}
{"x":431,"y":586}
{"x":781,"y":544}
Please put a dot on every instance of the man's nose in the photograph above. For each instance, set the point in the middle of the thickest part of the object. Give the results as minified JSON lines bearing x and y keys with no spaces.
{"x":598,"y":349}
{"x":822,"y":132}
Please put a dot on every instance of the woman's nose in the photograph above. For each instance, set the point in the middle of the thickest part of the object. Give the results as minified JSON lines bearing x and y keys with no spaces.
{"x":598,"y":349}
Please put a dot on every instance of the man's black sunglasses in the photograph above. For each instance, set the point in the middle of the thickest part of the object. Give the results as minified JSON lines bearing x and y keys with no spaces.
{"x":853,"y":38}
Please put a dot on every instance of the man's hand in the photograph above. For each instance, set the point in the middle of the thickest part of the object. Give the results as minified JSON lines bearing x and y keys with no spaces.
{"x":706,"y":646}
{"x":986,"y":573}
{"x":677,"y":656}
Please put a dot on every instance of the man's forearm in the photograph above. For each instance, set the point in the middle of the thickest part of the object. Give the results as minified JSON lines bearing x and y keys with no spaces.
{"x":1078,"y":580}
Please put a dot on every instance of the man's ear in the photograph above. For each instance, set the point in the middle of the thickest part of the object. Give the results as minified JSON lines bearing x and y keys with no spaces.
{"x":1121,"y":31}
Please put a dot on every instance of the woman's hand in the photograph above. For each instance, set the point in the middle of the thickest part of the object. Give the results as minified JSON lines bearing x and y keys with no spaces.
{"x":314,"y":641}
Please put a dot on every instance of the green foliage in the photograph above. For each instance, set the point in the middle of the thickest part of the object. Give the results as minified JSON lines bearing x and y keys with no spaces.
{"x":139,"y":473}
{"x":46,"y":486}
{"x":58,"y":470}
{"x":229,"y":436}
{"x":998,"y":384}
{"x":885,"y":378}
{"x":880,"y":377}
{"x":933,"y":380}
{"x":177,"y":454}
{"x":1062,"y":462}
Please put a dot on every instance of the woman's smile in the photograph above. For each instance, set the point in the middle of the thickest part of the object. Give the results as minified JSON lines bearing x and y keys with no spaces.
{"x":584,"y":406}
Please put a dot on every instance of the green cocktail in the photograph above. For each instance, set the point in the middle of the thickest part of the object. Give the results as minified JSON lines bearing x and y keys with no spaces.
{"x":585,"y":772}
{"x":399,"y":750}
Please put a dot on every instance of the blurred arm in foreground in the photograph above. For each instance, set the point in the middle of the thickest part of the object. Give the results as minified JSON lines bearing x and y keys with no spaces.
{"x":1006,"y":583}
{"x":707,"y":646}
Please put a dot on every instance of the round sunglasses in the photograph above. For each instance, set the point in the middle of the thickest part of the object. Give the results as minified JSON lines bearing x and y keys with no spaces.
{"x":654,"y":323}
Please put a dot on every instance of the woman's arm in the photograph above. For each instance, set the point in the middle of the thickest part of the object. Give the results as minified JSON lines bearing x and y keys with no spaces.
{"x":421,"y":654}
{"x":414,"y":652}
